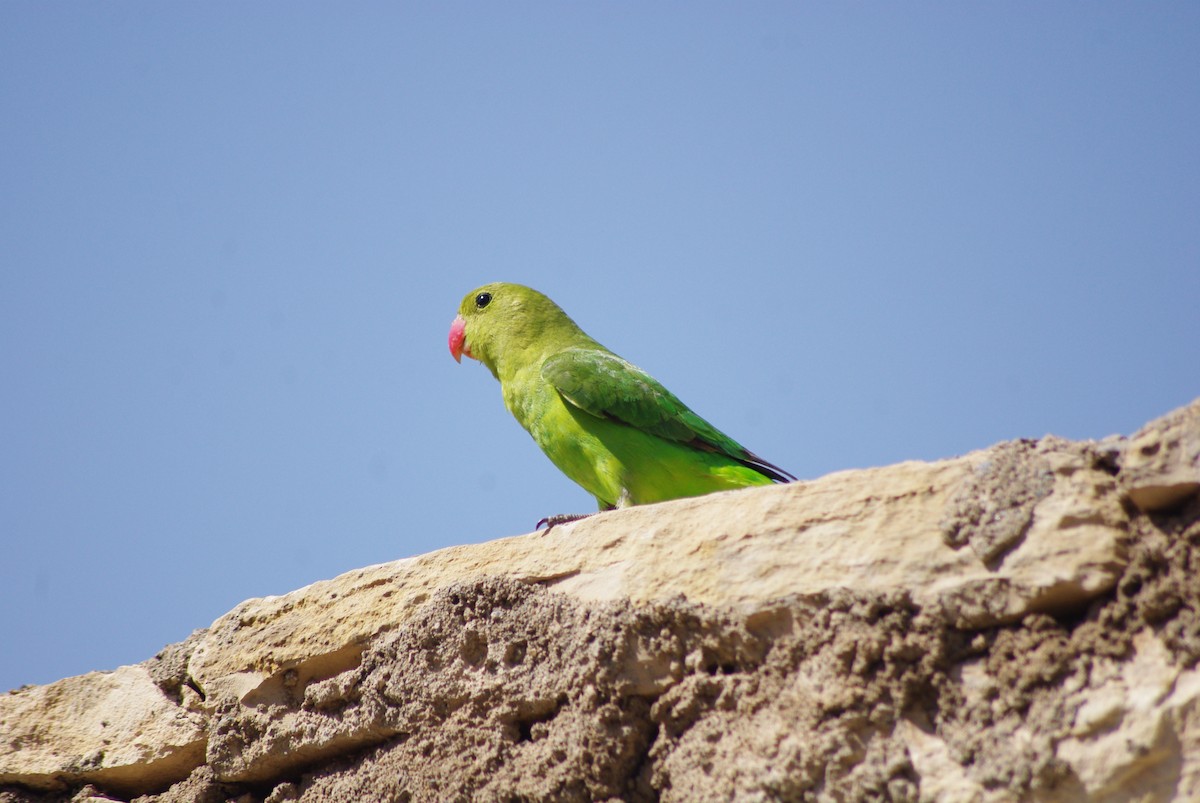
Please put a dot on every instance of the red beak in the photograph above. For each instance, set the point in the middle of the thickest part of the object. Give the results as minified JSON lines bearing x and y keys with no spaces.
{"x":458,"y":337}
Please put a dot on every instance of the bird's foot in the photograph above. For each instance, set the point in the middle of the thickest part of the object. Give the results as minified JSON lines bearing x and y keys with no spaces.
{"x":561,"y":518}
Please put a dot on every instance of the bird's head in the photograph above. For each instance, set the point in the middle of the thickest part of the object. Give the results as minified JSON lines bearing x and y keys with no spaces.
{"x":503,"y":323}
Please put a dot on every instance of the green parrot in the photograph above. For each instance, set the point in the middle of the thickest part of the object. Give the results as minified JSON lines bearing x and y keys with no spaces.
{"x":606,"y":424}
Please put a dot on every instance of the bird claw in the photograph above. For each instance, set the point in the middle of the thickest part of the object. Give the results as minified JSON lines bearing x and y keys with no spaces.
{"x":561,"y":518}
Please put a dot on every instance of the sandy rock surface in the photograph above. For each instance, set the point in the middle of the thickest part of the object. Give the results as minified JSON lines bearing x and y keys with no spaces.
{"x":1020,"y":623}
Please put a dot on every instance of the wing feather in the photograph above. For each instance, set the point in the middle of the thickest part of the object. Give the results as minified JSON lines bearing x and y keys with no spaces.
{"x":606,"y":386}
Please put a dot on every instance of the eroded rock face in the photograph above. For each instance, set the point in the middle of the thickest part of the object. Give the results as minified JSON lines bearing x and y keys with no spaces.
{"x":1021,"y":623}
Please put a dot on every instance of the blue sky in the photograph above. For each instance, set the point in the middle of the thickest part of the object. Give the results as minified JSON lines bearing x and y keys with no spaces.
{"x":233,"y":237}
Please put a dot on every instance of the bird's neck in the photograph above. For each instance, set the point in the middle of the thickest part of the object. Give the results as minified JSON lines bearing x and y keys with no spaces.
{"x":526,"y":350}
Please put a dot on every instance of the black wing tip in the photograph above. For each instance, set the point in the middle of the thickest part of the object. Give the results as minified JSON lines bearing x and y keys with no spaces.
{"x":768,"y":469}
{"x":748,"y":459}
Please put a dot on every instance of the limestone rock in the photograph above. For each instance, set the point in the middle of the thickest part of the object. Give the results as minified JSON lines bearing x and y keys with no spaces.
{"x":114,"y":729}
{"x":999,"y":626}
{"x":1161,"y":465}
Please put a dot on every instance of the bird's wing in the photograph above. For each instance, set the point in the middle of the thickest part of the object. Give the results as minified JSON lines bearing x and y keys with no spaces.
{"x":601,"y":383}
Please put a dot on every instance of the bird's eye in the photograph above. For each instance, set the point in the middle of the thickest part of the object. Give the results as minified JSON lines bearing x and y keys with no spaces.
{"x":483,"y":299}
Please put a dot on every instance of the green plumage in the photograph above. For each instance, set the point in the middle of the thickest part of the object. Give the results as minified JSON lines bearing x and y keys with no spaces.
{"x":608,"y":425}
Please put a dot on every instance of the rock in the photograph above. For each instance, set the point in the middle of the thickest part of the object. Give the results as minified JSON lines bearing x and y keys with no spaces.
{"x":116,"y":730}
{"x":997,"y":626}
{"x":1161,"y":463}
